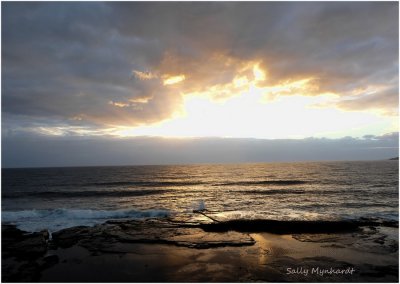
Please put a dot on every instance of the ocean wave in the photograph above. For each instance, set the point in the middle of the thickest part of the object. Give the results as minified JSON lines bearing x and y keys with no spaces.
{"x":84,"y":193}
{"x":144,"y":183}
{"x":139,"y":183}
{"x":272,"y":192}
{"x":315,"y":191}
{"x":56,"y":219}
{"x":263,"y":182}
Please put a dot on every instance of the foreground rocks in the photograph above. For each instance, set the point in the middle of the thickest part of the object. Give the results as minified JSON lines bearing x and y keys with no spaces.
{"x":23,"y":244}
{"x":25,"y":253}
{"x":367,"y":239}
{"x":154,"y":231}
{"x":233,"y":245}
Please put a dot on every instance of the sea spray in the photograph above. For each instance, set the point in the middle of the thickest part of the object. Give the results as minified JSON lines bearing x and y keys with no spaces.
{"x":202,"y":206}
{"x":198,"y":206}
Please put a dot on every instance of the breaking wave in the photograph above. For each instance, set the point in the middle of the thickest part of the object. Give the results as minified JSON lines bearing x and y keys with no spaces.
{"x":57,"y":219}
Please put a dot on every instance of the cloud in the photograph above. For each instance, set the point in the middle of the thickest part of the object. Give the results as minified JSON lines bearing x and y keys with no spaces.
{"x":40,"y":151}
{"x":386,"y":101}
{"x":144,"y":75}
{"x":104,"y":64}
{"x":173,"y":79}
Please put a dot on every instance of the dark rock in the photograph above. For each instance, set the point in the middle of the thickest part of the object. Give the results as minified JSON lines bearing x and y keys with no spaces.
{"x":283,"y":227}
{"x":34,"y":245}
{"x":11,"y":232}
{"x":49,"y":261}
{"x":21,"y":252}
{"x":21,"y":272}
{"x":68,"y":237}
{"x":23,"y":244}
{"x":46,"y":234}
{"x":102,"y":237}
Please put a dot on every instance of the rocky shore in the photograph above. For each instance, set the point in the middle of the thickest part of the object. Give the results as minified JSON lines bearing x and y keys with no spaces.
{"x":200,"y":250}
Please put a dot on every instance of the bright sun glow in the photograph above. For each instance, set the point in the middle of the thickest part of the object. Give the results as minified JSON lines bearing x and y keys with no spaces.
{"x":259,"y":74}
{"x":248,"y":110}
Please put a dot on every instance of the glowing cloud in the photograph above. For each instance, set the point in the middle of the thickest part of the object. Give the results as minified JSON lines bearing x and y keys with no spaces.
{"x":259,"y":74}
{"x":173,"y":80}
{"x":234,"y":108}
{"x":140,"y":100}
{"x":240,"y":81}
{"x":118,"y":104}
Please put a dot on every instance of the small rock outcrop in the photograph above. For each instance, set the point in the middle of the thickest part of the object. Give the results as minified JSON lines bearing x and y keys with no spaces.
{"x":22,"y":254}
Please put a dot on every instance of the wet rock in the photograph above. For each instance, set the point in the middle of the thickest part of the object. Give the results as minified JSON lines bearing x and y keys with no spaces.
{"x":320,"y":238}
{"x":198,"y":239}
{"x":101,"y":237}
{"x":35,"y":245}
{"x":22,"y":271}
{"x":366,"y":239}
{"x":284,"y":227}
{"x":23,"y":244}
{"x":21,"y":254}
{"x":389,"y":272}
{"x":68,"y":237}
{"x":48,"y":261}
{"x":45,"y":234}
{"x":11,"y":233}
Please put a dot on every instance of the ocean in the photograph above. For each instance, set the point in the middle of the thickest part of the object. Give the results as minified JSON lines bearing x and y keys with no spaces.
{"x":55,"y":198}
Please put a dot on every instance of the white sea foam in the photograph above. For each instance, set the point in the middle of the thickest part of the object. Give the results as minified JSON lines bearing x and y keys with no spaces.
{"x":57,"y":219}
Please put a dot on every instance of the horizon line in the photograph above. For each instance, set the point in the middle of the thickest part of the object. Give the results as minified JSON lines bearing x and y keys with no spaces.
{"x":200,"y":163}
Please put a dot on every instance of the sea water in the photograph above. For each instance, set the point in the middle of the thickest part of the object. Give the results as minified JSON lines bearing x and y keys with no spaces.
{"x":56,"y":198}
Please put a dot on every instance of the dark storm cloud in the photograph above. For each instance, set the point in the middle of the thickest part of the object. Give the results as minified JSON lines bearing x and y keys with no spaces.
{"x":67,"y":61}
{"x":71,"y":62}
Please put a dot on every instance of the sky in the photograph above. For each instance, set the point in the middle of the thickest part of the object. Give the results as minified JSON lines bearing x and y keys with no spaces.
{"x":222,"y":81}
